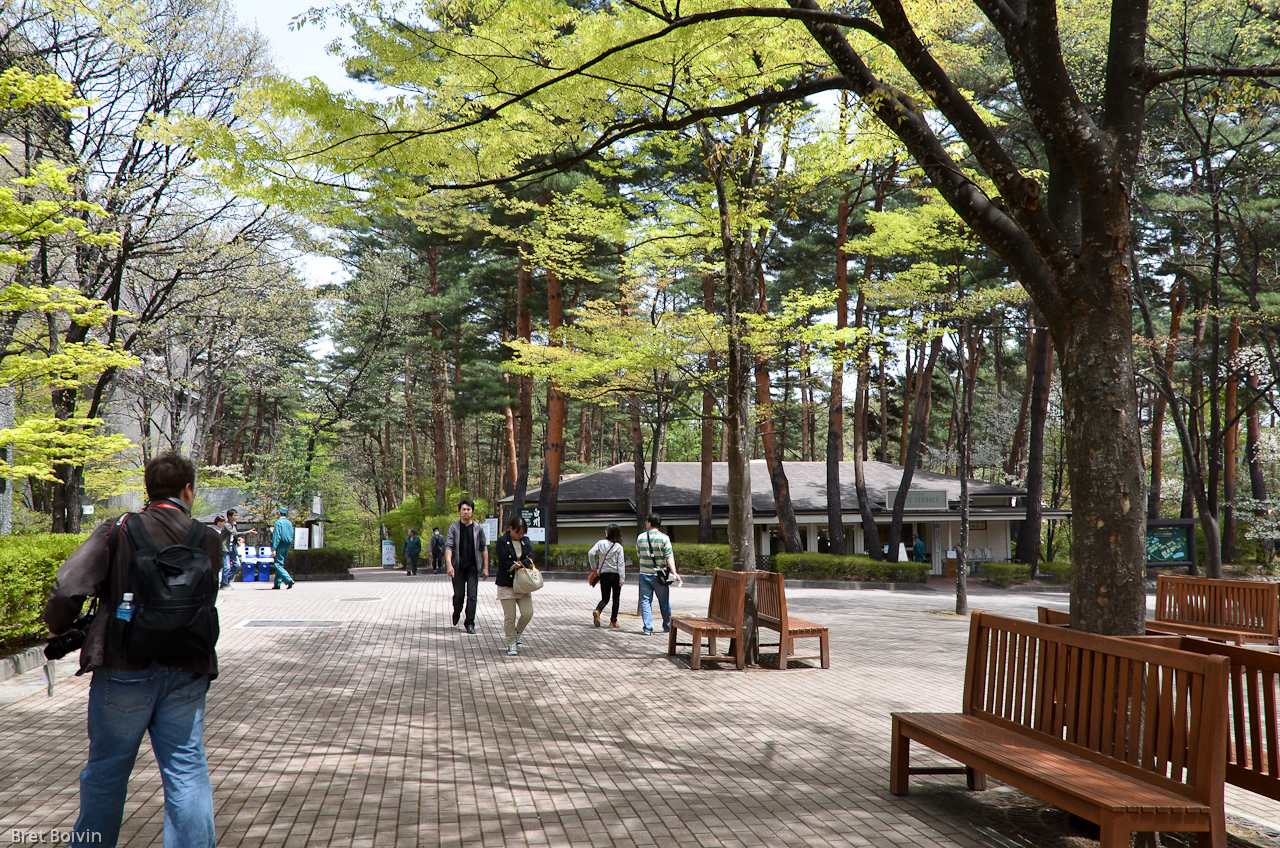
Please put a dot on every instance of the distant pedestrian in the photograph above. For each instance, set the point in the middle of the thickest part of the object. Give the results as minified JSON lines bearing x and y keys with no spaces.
{"x":608,"y":558}
{"x":466,"y":552}
{"x":918,"y":549}
{"x":281,"y":542}
{"x":412,"y":550}
{"x":437,"y":550}
{"x":653,"y":549}
{"x":514,"y":552}
{"x":224,"y":539}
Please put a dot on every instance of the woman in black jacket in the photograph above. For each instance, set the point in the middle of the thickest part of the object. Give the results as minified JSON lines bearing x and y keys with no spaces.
{"x":514,"y":551}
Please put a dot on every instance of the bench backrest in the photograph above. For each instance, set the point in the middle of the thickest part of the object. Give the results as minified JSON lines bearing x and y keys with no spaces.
{"x":1151,"y":712}
{"x":728,"y":595}
{"x":1253,"y":758}
{"x":771,"y":598}
{"x":1244,"y":605}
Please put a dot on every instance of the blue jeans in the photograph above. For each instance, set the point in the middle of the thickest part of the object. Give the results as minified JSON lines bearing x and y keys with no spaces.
{"x":647,"y":588}
{"x":228,"y":569}
{"x":167,"y":703}
{"x":277,"y":566}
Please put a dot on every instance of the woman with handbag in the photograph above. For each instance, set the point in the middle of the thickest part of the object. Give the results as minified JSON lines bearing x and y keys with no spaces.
{"x":514,"y":553}
{"x":608,"y":562}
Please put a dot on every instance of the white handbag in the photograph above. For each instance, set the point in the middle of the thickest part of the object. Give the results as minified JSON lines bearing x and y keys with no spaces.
{"x":526,"y":580}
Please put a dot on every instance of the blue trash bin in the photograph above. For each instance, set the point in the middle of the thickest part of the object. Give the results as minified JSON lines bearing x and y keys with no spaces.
{"x":265,"y":557}
{"x":249,"y":566}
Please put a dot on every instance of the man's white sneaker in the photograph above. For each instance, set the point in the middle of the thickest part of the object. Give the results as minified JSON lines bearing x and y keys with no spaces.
{"x":512,"y":651}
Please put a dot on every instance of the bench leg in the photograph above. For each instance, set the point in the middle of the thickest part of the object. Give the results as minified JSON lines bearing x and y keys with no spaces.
{"x":740,"y":653}
{"x":825,"y":649}
{"x":1217,"y":835}
{"x":1114,"y":832}
{"x":711,"y":645}
{"x":977,"y":780}
{"x":695,"y":661}
{"x":671,"y":642}
{"x":899,"y":760}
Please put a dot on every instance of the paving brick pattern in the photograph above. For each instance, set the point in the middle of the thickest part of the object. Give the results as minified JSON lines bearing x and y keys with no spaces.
{"x":393,"y":728}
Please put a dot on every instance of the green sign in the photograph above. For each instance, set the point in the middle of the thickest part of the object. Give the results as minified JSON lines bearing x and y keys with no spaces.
{"x":1169,"y":544}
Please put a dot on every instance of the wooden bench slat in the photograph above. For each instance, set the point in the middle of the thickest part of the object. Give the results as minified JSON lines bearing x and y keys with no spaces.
{"x":771,"y":613}
{"x":725,"y":611}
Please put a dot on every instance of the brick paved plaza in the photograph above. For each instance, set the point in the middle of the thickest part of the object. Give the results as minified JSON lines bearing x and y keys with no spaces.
{"x":376,"y":723}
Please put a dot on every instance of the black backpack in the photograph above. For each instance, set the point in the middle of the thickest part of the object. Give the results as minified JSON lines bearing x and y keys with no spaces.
{"x":174,"y":617}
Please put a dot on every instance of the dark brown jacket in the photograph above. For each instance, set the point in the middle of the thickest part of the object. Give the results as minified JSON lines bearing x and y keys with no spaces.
{"x":88,"y":573}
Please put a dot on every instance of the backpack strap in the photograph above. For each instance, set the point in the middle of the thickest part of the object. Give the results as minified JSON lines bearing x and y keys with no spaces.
{"x":196,"y":535}
{"x":141,"y":539}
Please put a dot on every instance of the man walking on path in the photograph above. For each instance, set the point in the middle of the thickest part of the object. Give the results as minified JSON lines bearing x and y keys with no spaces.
{"x":281,"y":542}
{"x":437,"y":550}
{"x":412,"y":550}
{"x":466,"y":551}
{"x":224,"y":538}
{"x":129,"y":697}
{"x":653,"y":548}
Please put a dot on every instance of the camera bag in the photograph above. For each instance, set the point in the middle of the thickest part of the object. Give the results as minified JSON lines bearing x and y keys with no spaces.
{"x":174,"y":591}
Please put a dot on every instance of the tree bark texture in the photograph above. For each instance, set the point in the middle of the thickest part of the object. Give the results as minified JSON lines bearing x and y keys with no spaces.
{"x":1029,"y":534}
{"x":835,"y":411}
{"x":919,"y":424}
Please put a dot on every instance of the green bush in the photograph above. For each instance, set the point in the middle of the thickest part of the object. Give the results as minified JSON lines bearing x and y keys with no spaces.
{"x":1059,"y":571}
{"x":816,"y":566}
{"x":1005,"y":574}
{"x":320,"y":561}
{"x":28,"y":565}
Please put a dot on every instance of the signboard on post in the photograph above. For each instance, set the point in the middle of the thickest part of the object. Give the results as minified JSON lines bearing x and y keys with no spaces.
{"x":491,"y":530}
{"x":537,"y":521}
{"x":388,"y":553}
{"x":301,"y":538}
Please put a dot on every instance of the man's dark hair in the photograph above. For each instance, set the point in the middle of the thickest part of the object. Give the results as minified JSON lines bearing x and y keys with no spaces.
{"x":466,"y":502}
{"x":232,"y":512}
{"x":517,"y":523}
{"x":654,"y":520}
{"x":167,"y":475}
{"x":411,"y":530}
{"x":437,"y":529}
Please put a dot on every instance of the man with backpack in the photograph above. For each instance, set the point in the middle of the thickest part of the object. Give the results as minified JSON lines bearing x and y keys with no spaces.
{"x":154,"y":576}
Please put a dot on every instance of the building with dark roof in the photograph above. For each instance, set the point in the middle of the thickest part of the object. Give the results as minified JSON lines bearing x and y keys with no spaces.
{"x":589,"y":502}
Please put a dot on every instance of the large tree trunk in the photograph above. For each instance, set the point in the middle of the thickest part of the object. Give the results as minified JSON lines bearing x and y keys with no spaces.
{"x":870,"y":532}
{"x":1029,"y":534}
{"x":1013,"y":462}
{"x":1230,"y":438}
{"x":1177,"y":305}
{"x":555,"y":409}
{"x":919,"y":426}
{"x":835,"y":411}
{"x":643,"y":506}
{"x":439,"y":380}
{"x":708,"y":435}
{"x":773,"y":460}
{"x":524,"y":330}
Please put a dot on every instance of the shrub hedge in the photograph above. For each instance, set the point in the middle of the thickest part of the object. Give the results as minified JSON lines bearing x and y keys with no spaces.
{"x":1005,"y":574}
{"x":817,"y":566}
{"x":1059,"y":571}
{"x":28,"y":565}
{"x":320,"y":561}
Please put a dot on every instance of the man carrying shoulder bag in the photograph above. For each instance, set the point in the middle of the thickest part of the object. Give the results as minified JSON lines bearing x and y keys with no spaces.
{"x":151,"y":650}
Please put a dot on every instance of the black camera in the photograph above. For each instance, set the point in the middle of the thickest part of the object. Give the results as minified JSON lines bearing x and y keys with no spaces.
{"x":59,"y":646}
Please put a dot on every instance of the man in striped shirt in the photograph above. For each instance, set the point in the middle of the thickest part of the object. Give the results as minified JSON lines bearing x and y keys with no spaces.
{"x":653,"y":548}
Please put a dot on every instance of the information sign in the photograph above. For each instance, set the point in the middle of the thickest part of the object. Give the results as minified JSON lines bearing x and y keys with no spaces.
{"x":537,"y":521}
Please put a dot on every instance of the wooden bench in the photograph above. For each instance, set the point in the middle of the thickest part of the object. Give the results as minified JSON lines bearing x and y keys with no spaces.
{"x":1253,"y":752}
{"x":771,"y":612}
{"x":1128,"y":735}
{"x":724,"y":617}
{"x":1238,"y":611}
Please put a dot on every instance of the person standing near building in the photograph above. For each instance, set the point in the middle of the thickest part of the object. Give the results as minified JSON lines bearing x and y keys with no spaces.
{"x":128,"y":698}
{"x":437,"y":550}
{"x":466,"y":553}
{"x":281,"y":542}
{"x":918,"y":550}
{"x":412,"y":550}
{"x":653,"y":549}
